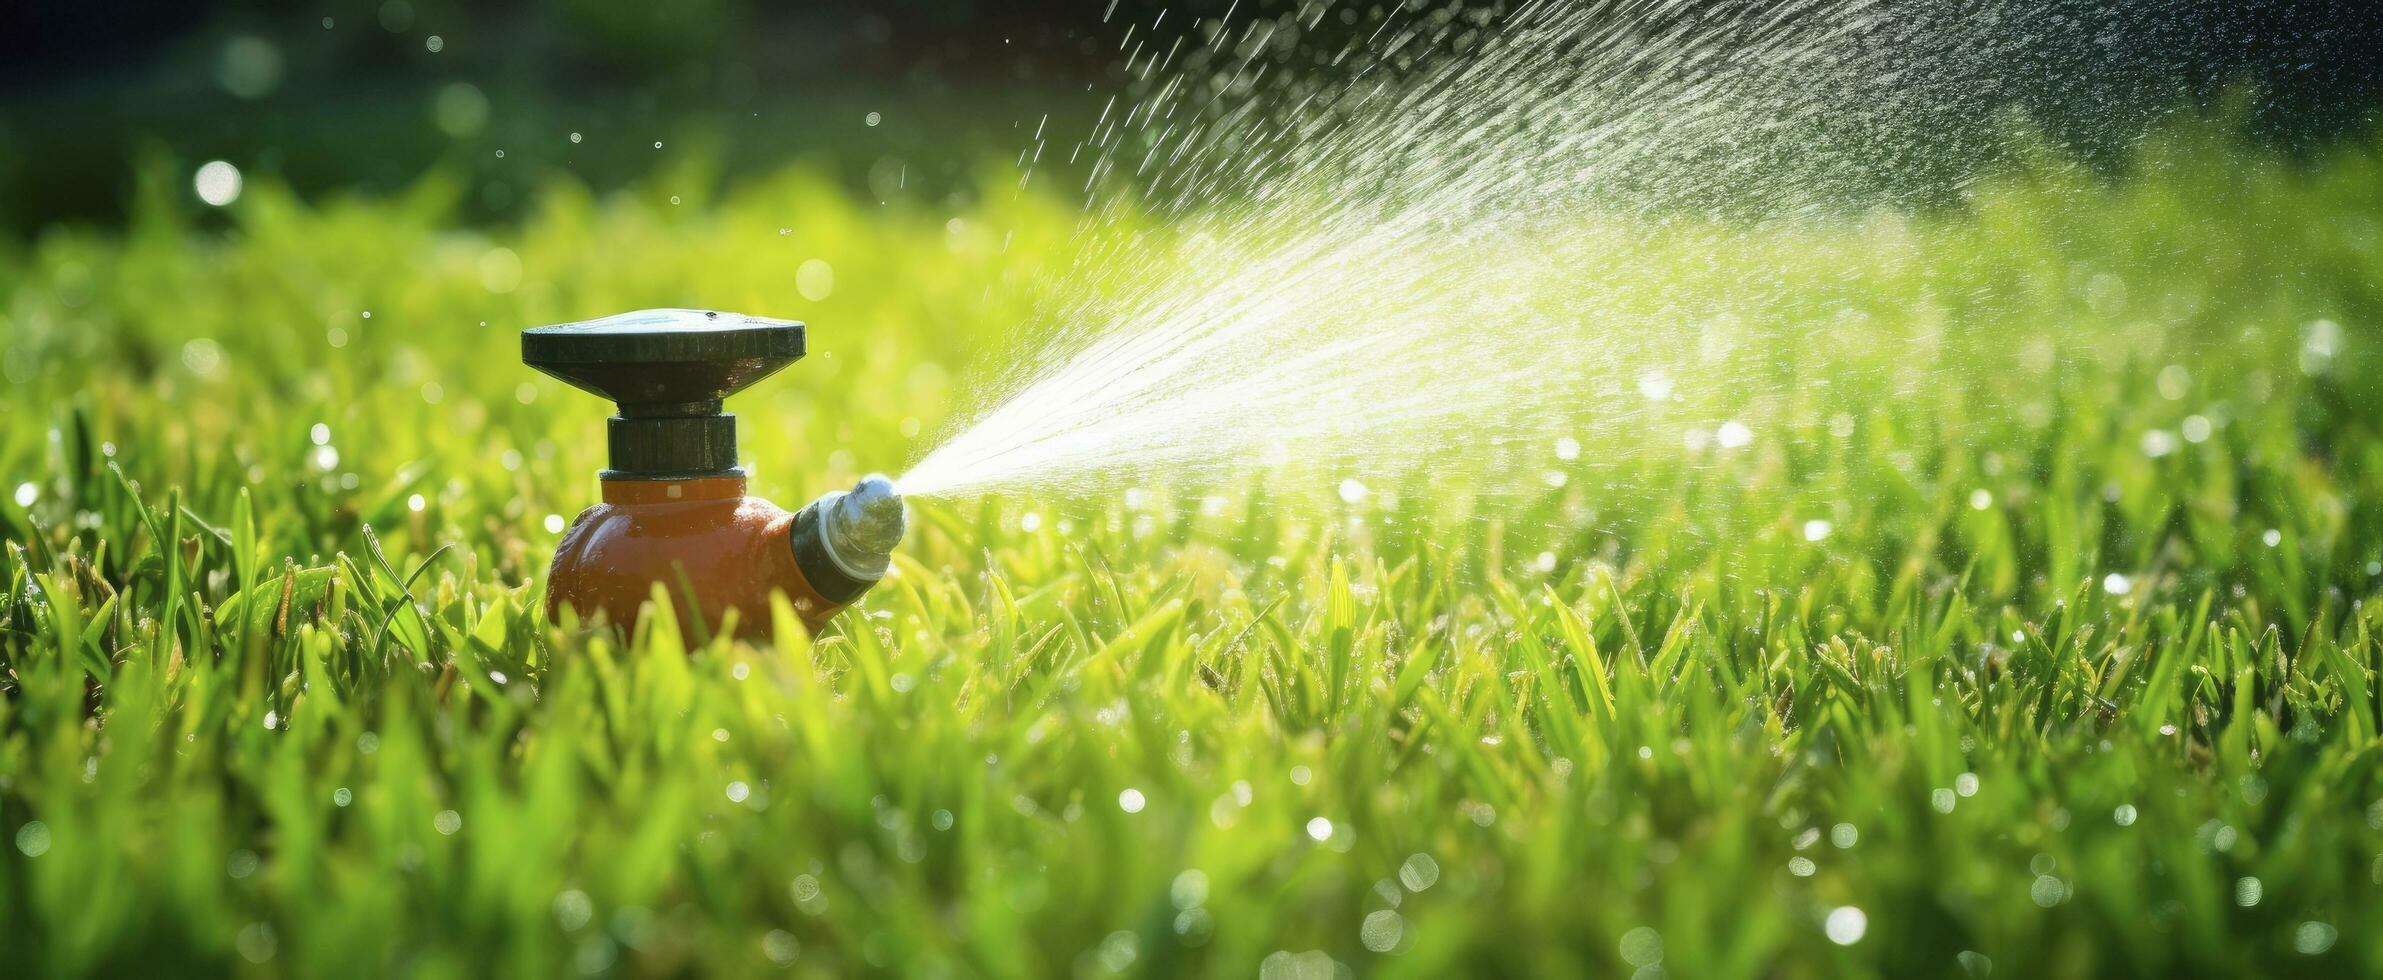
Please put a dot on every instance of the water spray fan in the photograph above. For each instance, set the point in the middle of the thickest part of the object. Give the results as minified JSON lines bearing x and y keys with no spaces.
{"x":674,"y":510}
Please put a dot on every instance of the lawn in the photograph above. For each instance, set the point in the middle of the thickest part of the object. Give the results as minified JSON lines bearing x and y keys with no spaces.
{"x":2026,"y":635}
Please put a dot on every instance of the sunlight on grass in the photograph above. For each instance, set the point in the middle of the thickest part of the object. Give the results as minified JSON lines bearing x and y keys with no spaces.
{"x":2017,"y":624}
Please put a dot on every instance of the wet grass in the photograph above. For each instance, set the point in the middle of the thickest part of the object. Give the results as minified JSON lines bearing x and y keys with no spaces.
{"x":2027,"y":633}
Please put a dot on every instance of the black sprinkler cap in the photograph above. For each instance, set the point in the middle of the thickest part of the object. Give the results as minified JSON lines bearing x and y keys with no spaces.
{"x":669,"y":371}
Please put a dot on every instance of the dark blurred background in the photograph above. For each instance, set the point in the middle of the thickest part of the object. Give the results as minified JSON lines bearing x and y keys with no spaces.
{"x":369,"y":94}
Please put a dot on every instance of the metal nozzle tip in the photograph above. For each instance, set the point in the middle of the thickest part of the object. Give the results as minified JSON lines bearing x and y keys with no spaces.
{"x":863,"y":525}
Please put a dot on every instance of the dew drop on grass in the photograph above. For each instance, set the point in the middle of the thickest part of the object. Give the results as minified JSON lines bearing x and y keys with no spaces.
{"x":1352,"y":491}
{"x":319,"y":434}
{"x":1131,"y":801}
{"x":738,"y":792}
{"x":447,"y":822}
{"x":1320,"y":828}
{"x":2117,"y":584}
{"x":554,"y":523}
{"x":1817,"y":530}
{"x":1980,"y":499}
{"x":1966,"y":784}
{"x":27,"y":493}
{"x":342,"y":796}
{"x":2313,"y":938}
{"x":1801,"y":866}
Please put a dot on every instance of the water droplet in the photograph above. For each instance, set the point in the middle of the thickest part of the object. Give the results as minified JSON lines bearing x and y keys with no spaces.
{"x":27,"y":493}
{"x":2047,"y":891}
{"x":1816,"y":530}
{"x":1846,"y":924}
{"x":2117,"y":584}
{"x":33,"y":839}
{"x":815,"y":280}
{"x":447,"y":822}
{"x":1419,"y":872}
{"x":2248,"y":891}
{"x":1733,"y":435}
{"x":1190,"y":889}
{"x":217,"y":182}
{"x":781,"y":947}
{"x":1130,"y":801}
{"x":1352,"y":491}
{"x":1382,"y":931}
{"x":1320,"y":828}
{"x":1642,"y":947}
{"x":738,"y":792}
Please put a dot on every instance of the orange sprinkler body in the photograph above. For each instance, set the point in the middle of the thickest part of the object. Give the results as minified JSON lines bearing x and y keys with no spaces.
{"x":675,"y":511}
{"x":702,"y":537}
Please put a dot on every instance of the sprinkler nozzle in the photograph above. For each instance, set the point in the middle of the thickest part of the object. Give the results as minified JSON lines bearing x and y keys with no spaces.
{"x":845,"y":539}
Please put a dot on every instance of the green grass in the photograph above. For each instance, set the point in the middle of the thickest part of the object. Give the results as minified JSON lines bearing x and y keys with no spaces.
{"x":1641,"y":717}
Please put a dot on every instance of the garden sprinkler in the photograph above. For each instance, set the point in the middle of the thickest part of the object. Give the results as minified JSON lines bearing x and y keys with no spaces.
{"x":675,"y":510}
